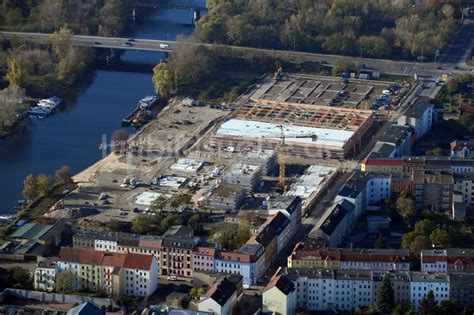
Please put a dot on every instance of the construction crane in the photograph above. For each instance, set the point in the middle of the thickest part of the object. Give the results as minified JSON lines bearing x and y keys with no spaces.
{"x":281,"y":153}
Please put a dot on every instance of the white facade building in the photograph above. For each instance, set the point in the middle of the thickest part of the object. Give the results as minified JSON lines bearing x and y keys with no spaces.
{"x":45,"y":276}
{"x":248,"y":261}
{"x":422,"y":283}
{"x":378,"y":188}
{"x":419,"y":116}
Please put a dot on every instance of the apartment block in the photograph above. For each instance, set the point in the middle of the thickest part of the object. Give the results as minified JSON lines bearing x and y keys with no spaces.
{"x":279,"y":296}
{"x":419,"y":116}
{"x":309,"y":256}
{"x":433,"y":190}
{"x":248,"y":261}
{"x":462,"y":149}
{"x":222,"y":296}
{"x":400,"y":282}
{"x":422,"y":283}
{"x":112,"y":273}
{"x":204,"y":258}
{"x":177,"y":251}
{"x":464,"y":185}
{"x":447,"y":260}
{"x":45,"y":275}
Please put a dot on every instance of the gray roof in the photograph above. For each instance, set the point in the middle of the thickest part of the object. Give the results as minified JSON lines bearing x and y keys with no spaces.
{"x":382,"y":150}
{"x":396,"y":134}
{"x":85,"y":309}
{"x":419,"y":107}
{"x":338,"y":213}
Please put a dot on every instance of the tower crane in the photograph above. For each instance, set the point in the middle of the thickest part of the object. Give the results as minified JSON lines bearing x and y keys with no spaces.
{"x":281,"y":152}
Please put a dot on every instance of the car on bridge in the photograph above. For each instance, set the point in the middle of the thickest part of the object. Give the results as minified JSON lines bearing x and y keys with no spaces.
{"x":127,"y":44}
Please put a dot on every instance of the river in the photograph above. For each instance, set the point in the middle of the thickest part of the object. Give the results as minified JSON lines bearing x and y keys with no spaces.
{"x":72,"y":136}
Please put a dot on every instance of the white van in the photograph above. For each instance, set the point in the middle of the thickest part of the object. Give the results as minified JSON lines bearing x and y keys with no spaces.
{"x":165,"y":46}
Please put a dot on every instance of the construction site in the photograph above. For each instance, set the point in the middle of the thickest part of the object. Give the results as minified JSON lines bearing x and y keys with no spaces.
{"x":308,"y":130}
{"x":224,"y":161}
{"x":317,"y":90}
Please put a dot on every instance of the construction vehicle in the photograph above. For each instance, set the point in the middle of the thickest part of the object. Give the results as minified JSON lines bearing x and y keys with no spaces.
{"x":278,"y":74}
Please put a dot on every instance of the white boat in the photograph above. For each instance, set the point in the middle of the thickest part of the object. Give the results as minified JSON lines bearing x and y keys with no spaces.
{"x":50,"y":103}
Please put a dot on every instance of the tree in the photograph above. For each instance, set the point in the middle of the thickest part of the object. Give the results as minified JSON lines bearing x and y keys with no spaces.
{"x":143,"y":224}
{"x":385,"y":299}
{"x":159,"y":203}
{"x":61,"y":42}
{"x":428,"y":305}
{"x":65,"y":282}
{"x":30,"y":187}
{"x":62,"y":176}
{"x":180,"y":200}
{"x":452,"y":85}
{"x":161,"y":80}
{"x":440,"y":238}
{"x":43,"y":185}
{"x":435,"y":152}
{"x":119,"y":140}
{"x":16,"y":74}
{"x":21,"y":278}
{"x":342,"y":65}
{"x":403,"y":309}
{"x":406,"y":207}
{"x":420,"y":242}
{"x":448,"y":307}
{"x":379,"y":243}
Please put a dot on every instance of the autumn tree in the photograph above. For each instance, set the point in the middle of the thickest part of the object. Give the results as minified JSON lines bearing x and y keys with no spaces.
{"x":441,"y":238}
{"x":30,"y":187}
{"x":428,"y":305}
{"x":43,"y":183}
{"x":159,"y":203}
{"x":16,"y":74}
{"x":62,"y":176}
{"x":161,"y":79}
{"x":405,"y":205}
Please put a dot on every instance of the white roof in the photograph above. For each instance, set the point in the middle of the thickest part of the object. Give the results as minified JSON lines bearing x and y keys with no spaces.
{"x":257,"y":129}
{"x":187,"y":165}
{"x":311,"y":181}
{"x":172,"y":182}
{"x":147,"y":197}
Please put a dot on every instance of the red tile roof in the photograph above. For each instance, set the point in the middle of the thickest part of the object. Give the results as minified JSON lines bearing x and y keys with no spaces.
{"x":86,"y":256}
{"x":205,"y":251}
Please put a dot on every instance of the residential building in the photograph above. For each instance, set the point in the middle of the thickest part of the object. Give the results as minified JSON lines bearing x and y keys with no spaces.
{"x":447,"y":260}
{"x":383,"y":150}
{"x":177,"y":251}
{"x":245,"y":176}
{"x":333,"y":229}
{"x":433,"y":189}
{"x":402,"y":182}
{"x":226,"y":197}
{"x":312,"y":255}
{"x":279,"y":296}
{"x":222,"y":296}
{"x":320,"y":290}
{"x":422,"y":283}
{"x":378,"y":223}
{"x":290,"y":206}
{"x":354,"y":191}
{"x":280,"y":225}
{"x":461,"y":289}
{"x":45,"y":275}
{"x":464,"y":184}
{"x":118,"y":242}
{"x":378,"y":188}
{"x":410,"y":163}
{"x":462,"y":149}
{"x":400,"y":282}
{"x":204,"y":258}
{"x":400,"y":137}
{"x":248,"y":261}
{"x":419,"y":116}
{"x":268,"y":238}
{"x":112,"y":273}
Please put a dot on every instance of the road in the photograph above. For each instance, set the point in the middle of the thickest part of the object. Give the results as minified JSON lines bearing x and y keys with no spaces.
{"x":380,"y":65}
